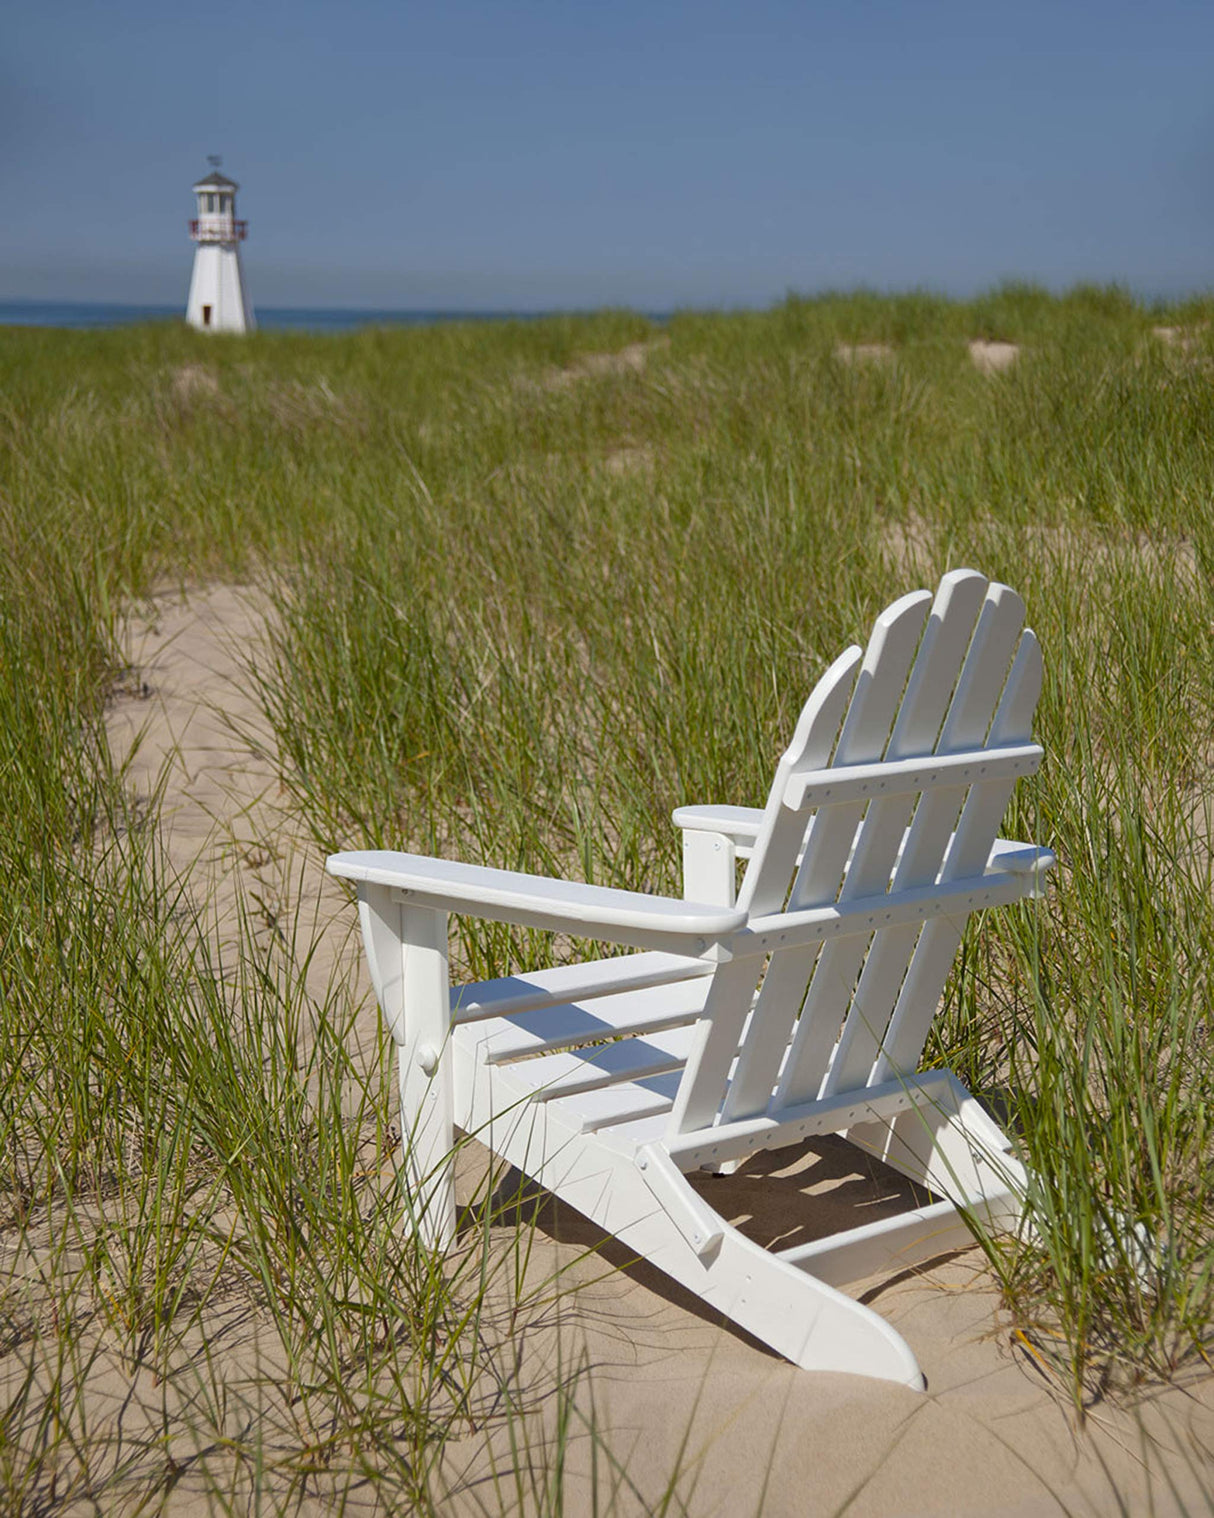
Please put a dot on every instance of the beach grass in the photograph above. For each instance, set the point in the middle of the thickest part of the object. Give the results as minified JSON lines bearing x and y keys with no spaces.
{"x":536,"y":584}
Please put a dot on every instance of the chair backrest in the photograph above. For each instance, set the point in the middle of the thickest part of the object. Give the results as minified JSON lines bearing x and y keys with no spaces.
{"x":852,"y":817}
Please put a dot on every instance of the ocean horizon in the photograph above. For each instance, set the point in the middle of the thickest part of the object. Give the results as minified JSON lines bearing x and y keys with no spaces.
{"x":83,"y":315}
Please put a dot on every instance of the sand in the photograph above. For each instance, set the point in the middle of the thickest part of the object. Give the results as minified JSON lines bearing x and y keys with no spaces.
{"x":863,"y":353}
{"x":188,"y":721}
{"x":1184,"y":338}
{"x":987,"y":358}
{"x":670,"y":1387}
{"x":631,"y":359}
{"x":992,"y":358}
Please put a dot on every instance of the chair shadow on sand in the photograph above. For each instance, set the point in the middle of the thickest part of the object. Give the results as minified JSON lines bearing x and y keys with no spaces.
{"x":779,"y":1198}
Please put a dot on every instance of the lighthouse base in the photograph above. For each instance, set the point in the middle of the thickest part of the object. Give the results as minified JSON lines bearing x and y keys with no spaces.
{"x":217,"y":301}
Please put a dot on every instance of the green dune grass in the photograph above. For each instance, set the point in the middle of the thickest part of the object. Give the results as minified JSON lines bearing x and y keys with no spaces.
{"x":530,"y":598}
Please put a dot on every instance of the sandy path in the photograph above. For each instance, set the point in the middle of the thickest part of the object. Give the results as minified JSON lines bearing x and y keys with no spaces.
{"x":188,"y":724}
{"x":670,"y":1385}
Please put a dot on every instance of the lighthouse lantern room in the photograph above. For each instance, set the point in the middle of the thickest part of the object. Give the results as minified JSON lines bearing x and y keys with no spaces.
{"x":218,"y":301}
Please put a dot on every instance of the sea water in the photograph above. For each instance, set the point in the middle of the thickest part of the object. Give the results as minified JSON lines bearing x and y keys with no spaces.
{"x":82,"y":314}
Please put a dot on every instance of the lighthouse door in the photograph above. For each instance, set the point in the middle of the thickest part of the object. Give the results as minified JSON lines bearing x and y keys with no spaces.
{"x":206,"y":316}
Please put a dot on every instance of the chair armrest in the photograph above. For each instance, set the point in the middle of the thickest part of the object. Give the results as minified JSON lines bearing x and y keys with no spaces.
{"x":1012,"y":858}
{"x":538,"y":901}
{"x":740,"y":824}
{"x":714,"y":839}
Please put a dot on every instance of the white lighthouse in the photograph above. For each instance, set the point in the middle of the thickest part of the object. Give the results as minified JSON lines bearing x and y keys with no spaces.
{"x":218,"y":302}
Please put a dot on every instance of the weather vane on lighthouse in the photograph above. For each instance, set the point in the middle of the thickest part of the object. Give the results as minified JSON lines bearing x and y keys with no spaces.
{"x":218,"y":301}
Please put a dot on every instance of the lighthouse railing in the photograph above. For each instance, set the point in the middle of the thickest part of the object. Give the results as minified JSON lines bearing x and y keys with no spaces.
{"x":214,"y":230}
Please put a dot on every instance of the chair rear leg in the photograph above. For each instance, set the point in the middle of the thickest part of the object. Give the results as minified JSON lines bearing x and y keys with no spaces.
{"x":955,"y":1150}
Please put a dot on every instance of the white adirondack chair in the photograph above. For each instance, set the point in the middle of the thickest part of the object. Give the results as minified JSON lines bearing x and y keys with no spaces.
{"x":801,"y":1009}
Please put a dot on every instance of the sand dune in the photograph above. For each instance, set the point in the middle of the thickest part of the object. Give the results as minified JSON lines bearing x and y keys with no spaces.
{"x":991,"y":358}
{"x":992,"y":1434}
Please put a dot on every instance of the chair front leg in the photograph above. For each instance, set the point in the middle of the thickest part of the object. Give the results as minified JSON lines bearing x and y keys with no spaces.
{"x":708,"y":867}
{"x":407,"y":957}
{"x":426,"y":1083}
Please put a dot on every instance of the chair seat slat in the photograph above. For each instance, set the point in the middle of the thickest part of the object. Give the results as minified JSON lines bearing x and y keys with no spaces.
{"x":613,"y":1106}
{"x":572,"y":1024}
{"x":571,"y":983}
{"x":567,"y":1073}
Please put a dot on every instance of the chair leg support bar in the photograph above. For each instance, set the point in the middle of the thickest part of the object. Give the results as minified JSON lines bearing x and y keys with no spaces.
{"x":888,"y":1245}
{"x":699,"y":1224}
{"x":954,"y":1149}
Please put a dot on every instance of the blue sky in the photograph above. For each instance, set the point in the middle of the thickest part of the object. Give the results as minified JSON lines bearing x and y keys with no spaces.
{"x":481,"y":155}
